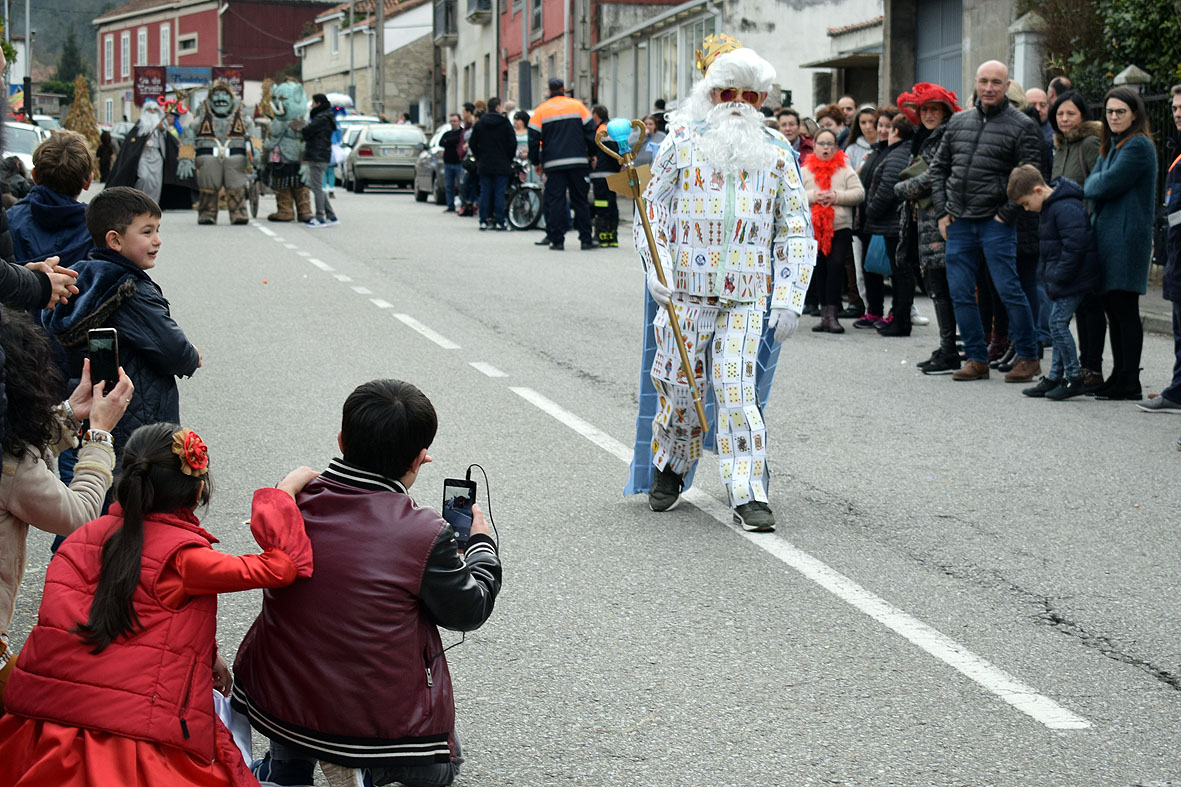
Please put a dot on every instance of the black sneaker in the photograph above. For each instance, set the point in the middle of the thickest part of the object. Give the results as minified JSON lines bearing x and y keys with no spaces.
{"x":1043,"y":387}
{"x":941,"y":363}
{"x":542,"y":242}
{"x":1071,"y":386}
{"x":755,"y":517}
{"x":557,"y":246}
{"x":483,"y":225}
{"x":588,"y":245}
{"x":665,"y":491}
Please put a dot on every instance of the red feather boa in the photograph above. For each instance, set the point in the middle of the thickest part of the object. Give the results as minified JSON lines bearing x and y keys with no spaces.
{"x":823,"y":215}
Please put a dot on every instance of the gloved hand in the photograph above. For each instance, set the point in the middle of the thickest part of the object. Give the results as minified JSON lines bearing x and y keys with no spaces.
{"x":304,"y":176}
{"x":185,"y":168}
{"x":661,"y":293}
{"x":783,"y":322}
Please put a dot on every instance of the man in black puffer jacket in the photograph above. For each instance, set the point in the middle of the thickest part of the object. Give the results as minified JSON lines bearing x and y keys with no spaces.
{"x":969,"y":177}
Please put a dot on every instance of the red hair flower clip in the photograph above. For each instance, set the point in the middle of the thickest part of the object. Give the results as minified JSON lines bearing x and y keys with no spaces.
{"x":193,"y":453}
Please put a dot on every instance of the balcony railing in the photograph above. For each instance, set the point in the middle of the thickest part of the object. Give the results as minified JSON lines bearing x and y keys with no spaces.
{"x":479,"y":12}
{"x":446,"y":23}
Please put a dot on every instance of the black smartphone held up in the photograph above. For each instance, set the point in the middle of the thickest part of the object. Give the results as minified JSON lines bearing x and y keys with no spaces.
{"x":103,"y":348}
{"x":458,"y":496}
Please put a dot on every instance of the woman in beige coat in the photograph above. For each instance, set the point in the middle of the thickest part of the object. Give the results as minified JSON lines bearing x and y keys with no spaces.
{"x":833,"y":191}
{"x":37,"y":427}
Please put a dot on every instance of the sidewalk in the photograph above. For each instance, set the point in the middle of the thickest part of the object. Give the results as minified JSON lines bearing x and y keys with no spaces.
{"x":1156,"y":314}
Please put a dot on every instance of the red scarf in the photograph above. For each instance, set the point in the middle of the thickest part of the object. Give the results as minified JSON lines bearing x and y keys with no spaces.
{"x":823,"y":215}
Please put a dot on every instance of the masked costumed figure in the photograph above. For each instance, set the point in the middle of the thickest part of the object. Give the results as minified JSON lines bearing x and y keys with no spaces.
{"x":733,"y":233}
{"x":283,"y":149}
{"x":147,"y":161}
{"x":219,"y":145}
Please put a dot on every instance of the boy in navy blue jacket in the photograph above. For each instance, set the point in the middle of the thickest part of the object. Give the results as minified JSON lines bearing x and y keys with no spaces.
{"x":1069,"y":267}
{"x":115,"y":291}
{"x":51,"y":220}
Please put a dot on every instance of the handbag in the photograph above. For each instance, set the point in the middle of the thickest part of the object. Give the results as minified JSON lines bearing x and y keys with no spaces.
{"x":876,"y":260}
{"x":469,"y":163}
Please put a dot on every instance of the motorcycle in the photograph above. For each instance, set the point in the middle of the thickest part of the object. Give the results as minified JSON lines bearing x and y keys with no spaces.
{"x":522,"y":200}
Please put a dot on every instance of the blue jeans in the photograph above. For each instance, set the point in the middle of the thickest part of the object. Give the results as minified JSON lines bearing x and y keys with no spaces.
{"x":1064,"y":360}
{"x":451,"y":177}
{"x":292,"y":766}
{"x":492,"y":189}
{"x":967,"y":240}
{"x":1173,"y":392}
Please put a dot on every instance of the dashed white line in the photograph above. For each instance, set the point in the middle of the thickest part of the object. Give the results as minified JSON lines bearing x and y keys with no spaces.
{"x":342,"y":277}
{"x":362,"y":290}
{"x":277,"y":239}
{"x":321,"y":264}
{"x":265,"y":230}
{"x":290,"y":246}
{"x":429,"y":333}
{"x":487,"y":369}
{"x":990,"y":677}
{"x":381,"y":304}
{"x":303,"y":253}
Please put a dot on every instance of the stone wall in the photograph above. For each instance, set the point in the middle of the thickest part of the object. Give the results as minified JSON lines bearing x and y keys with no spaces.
{"x":408,"y":77}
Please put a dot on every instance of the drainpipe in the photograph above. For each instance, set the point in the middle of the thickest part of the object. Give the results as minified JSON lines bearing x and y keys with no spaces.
{"x":352,"y":59}
{"x":567,"y":43}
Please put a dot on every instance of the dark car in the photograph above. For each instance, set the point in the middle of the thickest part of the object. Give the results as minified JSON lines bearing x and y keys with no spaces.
{"x":428,"y":169}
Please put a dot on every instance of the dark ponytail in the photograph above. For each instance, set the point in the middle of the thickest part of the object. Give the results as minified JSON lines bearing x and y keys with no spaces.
{"x":150,"y":482}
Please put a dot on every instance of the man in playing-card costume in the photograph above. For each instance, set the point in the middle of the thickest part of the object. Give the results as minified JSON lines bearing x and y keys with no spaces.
{"x":733,"y":231}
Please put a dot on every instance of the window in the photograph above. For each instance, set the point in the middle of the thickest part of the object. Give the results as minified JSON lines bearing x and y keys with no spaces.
{"x":108,"y":58}
{"x":488,"y":76}
{"x":535,"y":22}
{"x":125,"y":54}
{"x":694,"y":34}
{"x":186,"y":44}
{"x":334,"y":37}
{"x":664,"y":66}
{"x":141,"y":46}
{"x":165,"y":44}
{"x":109,"y":109}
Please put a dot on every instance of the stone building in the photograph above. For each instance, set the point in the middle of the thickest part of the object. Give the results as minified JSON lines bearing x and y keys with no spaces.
{"x":407,"y":65}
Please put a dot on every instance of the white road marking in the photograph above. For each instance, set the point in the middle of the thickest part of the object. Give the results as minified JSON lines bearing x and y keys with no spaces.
{"x":265,"y":230}
{"x":487,"y":368}
{"x":362,"y":290}
{"x":290,"y":246}
{"x":277,"y":239}
{"x":303,"y":253}
{"x":993,"y":679}
{"x":379,"y":303}
{"x":429,"y":333}
{"x":341,"y":277}
{"x":321,"y":264}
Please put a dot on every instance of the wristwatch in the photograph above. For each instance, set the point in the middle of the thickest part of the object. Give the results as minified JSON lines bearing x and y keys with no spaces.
{"x":99,"y":436}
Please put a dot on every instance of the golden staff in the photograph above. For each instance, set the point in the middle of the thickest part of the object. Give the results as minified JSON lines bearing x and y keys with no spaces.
{"x":629,"y":181}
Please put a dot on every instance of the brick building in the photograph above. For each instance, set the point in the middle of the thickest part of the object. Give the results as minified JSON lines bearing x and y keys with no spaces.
{"x":254,"y":34}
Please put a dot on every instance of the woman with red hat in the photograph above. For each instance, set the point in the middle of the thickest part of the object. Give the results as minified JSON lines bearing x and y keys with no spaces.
{"x":930,"y":106}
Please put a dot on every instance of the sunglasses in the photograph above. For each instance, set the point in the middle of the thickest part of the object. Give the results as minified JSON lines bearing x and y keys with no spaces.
{"x":729,"y":94}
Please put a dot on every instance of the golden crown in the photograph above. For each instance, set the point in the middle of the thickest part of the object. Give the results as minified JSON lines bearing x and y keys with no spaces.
{"x":712,"y":47}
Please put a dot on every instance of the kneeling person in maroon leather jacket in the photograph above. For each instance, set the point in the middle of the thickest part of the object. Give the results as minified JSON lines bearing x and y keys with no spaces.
{"x":347,"y":667}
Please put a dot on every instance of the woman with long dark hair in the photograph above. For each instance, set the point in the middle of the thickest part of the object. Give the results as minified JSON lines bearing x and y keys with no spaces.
{"x":36,"y":426}
{"x":116,"y":680}
{"x":1121,"y":190}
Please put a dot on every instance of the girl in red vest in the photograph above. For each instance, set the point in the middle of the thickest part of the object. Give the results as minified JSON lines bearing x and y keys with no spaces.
{"x":115,"y":683}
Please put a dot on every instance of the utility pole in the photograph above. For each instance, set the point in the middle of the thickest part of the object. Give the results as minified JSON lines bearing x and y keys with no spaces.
{"x":352,"y":62}
{"x":379,"y":58}
{"x":28,"y":65}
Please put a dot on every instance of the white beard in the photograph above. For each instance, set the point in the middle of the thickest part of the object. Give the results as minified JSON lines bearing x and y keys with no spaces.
{"x":148,"y":120}
{"x":734,"y":139}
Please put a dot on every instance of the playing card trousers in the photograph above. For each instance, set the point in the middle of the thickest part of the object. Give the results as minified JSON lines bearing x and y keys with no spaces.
{"x":722,"y":340}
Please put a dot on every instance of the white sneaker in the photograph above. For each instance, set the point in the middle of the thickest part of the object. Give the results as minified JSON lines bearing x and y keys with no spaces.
{"x":916,"y":318}
{"x":314,"y":223}
{"x":332,"y":222}
{"x":340,"y":776}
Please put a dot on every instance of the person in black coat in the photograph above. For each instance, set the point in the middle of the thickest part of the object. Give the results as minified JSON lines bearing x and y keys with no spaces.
{"x":881,"y":218}
{"x":494,"y":144}
{"x":317,"y":154}
{"x":1069,"y":267}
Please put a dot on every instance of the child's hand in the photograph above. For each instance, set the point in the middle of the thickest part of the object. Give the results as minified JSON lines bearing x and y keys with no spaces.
{"x":294,"y":482}
{"x":223,"y":681}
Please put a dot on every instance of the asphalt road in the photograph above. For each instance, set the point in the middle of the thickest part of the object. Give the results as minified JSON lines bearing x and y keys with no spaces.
{"x":967,"y":587}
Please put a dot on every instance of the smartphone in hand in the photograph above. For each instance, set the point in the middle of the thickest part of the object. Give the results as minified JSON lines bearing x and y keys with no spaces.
{"x":458,"y":496}
{"x":103,"y":348}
